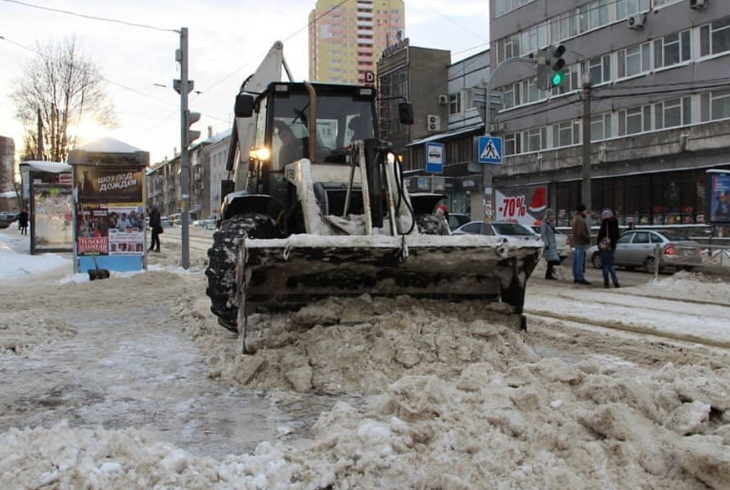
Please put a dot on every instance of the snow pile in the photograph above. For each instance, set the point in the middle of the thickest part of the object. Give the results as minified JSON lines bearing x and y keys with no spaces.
{"x":22,"y":331}
{"x":544,"y":424}
{"x":361,"y":345}
{"x":689,"y":286}
{"x":15,"y":262}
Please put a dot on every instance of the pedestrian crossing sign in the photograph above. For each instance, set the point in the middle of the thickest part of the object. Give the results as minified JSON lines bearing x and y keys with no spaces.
{"x":490,"y":149}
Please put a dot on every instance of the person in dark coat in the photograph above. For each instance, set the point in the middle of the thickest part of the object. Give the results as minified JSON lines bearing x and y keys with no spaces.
{"x":547,"y":233}
{"x":580,"y":239}
{"x":23,"y":222}
{"x":156,"y":227}
{"x":607,"y":239}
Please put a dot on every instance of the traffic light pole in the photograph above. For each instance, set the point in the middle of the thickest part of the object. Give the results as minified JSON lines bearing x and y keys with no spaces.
{"x":586,"y":174}
{"x":487,"y":183}
{"x":184,"y":155}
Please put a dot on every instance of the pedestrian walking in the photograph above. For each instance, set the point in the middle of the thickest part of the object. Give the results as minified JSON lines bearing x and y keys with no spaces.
{"x":607,"y":240}
{"x":581,"y":238}
{"x":547,"y":233}
{"x":155,"y":227}
{"x":23,"y":222}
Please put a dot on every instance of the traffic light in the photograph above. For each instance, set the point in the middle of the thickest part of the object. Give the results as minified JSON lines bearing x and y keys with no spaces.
{"x":557,"y":63}
{"x":191,"y":135}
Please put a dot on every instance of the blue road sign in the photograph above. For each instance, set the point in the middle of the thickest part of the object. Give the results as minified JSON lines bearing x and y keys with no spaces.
{"x":435,"y":158}
{"x":490,"y":149}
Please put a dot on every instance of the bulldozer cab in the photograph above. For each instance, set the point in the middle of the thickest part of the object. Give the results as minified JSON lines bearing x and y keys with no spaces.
{"x":313,"y":121}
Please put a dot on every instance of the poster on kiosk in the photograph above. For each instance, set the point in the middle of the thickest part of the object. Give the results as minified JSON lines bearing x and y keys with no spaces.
{"x":110,"y":208}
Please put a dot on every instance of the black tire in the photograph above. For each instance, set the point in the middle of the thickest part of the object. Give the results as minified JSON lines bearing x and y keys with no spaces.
{"x":428,"y":224}
{"x":629,"y":268}
{"x":596,"y":260}
{"x":687,"y":268}
{"x":650,"y":264}
{"x":222,"y":257}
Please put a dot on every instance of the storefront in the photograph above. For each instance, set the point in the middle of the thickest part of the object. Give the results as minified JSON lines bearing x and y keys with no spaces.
{"x":662,"y":198}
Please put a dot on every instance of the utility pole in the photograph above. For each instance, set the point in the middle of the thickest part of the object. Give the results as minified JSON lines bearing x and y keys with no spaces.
{"x":586,"y":185}
{"x":183,"y":87}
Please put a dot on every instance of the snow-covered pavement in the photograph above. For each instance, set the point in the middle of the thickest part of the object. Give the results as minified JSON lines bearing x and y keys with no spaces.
{"x":130,"y":383}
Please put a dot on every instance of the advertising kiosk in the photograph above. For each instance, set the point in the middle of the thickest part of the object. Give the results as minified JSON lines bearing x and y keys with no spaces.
{"x":110,"y":208}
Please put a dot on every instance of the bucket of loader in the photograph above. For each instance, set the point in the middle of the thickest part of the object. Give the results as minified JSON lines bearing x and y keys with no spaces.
{"x":289,"y":273}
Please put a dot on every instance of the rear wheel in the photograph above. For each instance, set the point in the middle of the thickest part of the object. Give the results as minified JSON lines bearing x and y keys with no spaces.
{"x":596,"y":260}
{"x":650,"y":264}
{"x":222,"y":258}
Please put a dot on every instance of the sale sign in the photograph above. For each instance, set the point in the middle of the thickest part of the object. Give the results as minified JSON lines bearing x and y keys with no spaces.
{"x":525,"y":205}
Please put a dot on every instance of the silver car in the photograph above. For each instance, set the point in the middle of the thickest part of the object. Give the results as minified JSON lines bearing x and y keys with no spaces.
{"x":637,"y":248}
{"x":498,"y":228}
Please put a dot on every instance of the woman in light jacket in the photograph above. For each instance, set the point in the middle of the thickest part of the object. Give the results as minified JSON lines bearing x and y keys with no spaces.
{"x":547,"y":233}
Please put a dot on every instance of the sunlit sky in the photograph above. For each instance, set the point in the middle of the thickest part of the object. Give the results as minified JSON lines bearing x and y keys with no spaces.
{"x":227,"y":40}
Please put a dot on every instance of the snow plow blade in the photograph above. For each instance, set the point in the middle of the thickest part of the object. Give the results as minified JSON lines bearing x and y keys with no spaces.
{"x":289,"y":273}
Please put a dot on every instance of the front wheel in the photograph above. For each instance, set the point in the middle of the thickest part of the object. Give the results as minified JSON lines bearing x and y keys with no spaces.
{"x":222,"y":262}
{"x":596,"y":260}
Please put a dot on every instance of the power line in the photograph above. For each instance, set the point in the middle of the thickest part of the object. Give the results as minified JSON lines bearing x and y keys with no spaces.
{"x":90,"y":17}
{"x":133,"y":90}
{"x":234,"y":72}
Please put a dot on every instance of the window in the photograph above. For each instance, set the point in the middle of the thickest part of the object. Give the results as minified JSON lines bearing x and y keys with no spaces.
{"x":626,"y":8}
{"x":672,"y":49}
{"x":641,"y":237}
{"x":715,"y":105}
{"x":601,"y":127}
{"x":634,"y":120}
{"x":504,"y":6}
{"x":673,"y":113}
{"x":635,"y":60}
{"x":455,"y":103}
{"x":513,"y":144}
{"x":593,"y":15}
{"x":599,"y":69}
{"x":535,"y":139}
{"x":566,"y":134}
{"x":715,"y":37}
{"x":564,"y":26}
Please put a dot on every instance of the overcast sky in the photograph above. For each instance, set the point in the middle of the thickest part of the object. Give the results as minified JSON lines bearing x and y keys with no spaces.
{"x":227,"y":40}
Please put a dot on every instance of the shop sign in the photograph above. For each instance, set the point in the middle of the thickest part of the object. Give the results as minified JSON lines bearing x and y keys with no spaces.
{"x":524,"y":205}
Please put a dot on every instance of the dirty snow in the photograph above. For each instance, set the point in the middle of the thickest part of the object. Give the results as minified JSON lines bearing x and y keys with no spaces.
{"x":452,"y":396}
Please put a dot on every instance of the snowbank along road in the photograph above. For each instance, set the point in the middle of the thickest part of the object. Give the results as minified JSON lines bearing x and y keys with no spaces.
{"x":129,"y":383}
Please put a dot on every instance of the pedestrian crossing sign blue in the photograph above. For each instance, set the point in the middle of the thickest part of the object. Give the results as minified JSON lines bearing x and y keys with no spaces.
{"x":490,"y":149}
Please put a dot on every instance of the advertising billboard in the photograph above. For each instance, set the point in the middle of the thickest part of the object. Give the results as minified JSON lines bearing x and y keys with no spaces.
{"x":524,"y":205}
{"x":718,"y":197}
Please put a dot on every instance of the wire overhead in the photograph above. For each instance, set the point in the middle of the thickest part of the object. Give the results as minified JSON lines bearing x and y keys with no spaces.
{"x":91,"y":17}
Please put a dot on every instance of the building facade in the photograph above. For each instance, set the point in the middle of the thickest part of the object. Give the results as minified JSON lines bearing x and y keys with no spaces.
{"x":657,"y":74}
{"x":345,"y":40}
{"x":464,"y":105}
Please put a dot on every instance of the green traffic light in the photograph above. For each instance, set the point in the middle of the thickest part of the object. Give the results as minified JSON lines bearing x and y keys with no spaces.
{"x":558,"y":78}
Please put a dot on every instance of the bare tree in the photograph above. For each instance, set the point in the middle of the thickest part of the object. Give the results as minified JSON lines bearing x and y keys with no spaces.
{"x":62,"y":87}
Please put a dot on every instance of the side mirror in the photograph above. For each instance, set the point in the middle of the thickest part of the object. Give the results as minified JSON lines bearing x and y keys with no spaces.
{"x":244,"y":105}
{"x":405,"y":113}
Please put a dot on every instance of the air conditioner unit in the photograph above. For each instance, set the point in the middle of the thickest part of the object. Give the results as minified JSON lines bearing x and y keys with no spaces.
{"x":637,"y":21}
{"x":443,"y":99}
{"x":433,"y":122}
{"x":698,"y":4}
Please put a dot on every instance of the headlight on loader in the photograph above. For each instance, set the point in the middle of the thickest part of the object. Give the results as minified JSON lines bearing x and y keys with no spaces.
{"x":261,"y":154}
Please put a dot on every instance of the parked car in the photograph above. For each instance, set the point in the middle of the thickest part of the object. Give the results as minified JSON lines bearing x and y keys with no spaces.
{"x":458,"y":219}
{"x":209,"y":224}
{"x":511,"y":231}
{"x":637,"y":249}
{"x":561,"y":241}
{"x":7,"y":218}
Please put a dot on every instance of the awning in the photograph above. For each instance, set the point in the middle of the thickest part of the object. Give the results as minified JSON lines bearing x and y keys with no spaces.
{"x":42,"y":166}
{"x":449,"y":134}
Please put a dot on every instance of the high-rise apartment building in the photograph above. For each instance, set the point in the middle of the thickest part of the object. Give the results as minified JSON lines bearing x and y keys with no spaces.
{"x":345,"y":41}
{"x":658,"y":73}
